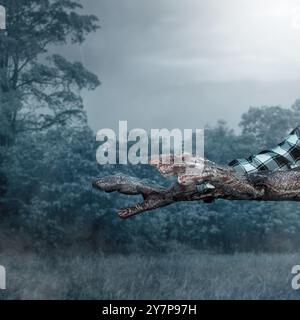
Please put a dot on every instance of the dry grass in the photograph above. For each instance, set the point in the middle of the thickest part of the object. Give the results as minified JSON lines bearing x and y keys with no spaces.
{"x":182,"y":274}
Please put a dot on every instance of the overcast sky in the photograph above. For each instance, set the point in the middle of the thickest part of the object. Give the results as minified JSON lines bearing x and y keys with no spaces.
{"x":187,"y":63}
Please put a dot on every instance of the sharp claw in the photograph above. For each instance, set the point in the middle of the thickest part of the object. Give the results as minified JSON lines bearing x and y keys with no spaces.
{"x":124,"y":213}
{"x":128,"y":212}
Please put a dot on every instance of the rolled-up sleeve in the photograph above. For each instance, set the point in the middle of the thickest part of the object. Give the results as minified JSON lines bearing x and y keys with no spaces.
{"x":285,"y":156}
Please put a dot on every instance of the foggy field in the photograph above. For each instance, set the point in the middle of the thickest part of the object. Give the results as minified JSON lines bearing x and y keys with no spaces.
{"x":184,"y":274}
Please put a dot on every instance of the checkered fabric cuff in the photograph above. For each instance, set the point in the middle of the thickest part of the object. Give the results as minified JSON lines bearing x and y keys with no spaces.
{"x":285,"y":156}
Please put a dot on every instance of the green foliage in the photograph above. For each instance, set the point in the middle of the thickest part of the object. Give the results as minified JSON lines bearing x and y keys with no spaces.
{"x":39,"y":89}
{"x":49,"y":183}
{"x":50,"y":198}
{"x":269,"y":125}
{"x":47,"y":161}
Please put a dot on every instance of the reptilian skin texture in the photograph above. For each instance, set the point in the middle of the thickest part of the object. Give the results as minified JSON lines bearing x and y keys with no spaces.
{"x":228,"y":184}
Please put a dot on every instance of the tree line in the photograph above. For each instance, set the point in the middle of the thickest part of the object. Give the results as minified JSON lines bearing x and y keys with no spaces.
{"x":47,"y":155}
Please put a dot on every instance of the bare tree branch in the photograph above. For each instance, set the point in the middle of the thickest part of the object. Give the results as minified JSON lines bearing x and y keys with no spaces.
{"x":192,"y":172}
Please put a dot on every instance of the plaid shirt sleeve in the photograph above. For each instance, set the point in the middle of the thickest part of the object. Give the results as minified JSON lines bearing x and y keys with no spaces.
{"x":285,"y":156}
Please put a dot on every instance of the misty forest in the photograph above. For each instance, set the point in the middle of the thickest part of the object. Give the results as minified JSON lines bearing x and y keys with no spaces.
{"x":60,"y":238}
